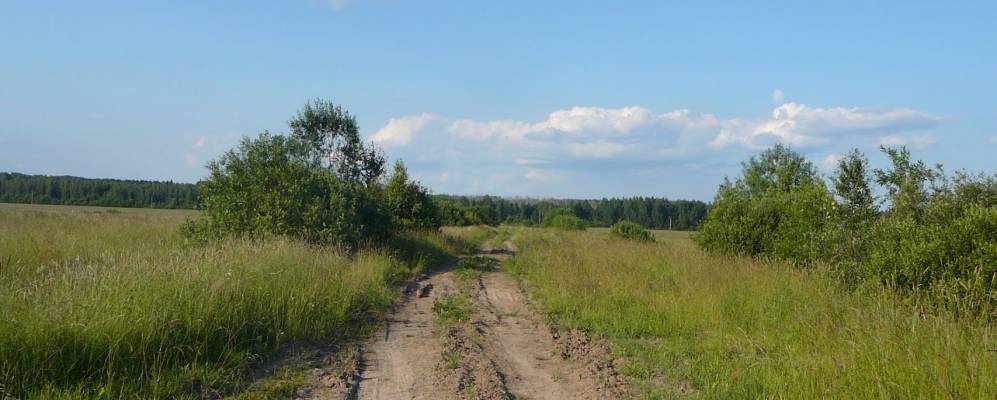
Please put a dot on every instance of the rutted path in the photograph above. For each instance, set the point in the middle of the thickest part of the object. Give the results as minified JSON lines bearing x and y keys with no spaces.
{"x":400,"y":361}
{"x":502,"y":350}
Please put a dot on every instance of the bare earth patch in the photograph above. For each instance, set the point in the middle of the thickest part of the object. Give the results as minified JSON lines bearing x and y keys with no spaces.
{"x":502,"y":350}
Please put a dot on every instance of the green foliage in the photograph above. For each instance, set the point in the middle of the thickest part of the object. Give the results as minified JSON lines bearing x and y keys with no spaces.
{"x":452,"y":309}
{"x":779,"y":207}
{"x":851,"y":185}
{"x":459,"y":214}
{"x":70,"y":190}
{"x":330,"y":138}
{"x":778,"y":169}
{"x":119,"y":305}
{"x":564,"y":218}
{"x":907,"y":183}
{"x":319,"y":184}
{"x":629,"y":230}
{"x":693,"y":324}
{"x":266,"y":187}
{"x":408,"y":202}
{"x":936,"y":239}
{"x":655,"y":213}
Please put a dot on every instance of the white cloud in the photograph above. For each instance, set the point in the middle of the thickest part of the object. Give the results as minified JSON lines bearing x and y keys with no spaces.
{"x":513,"y":155}
{"x":777,"y":96}
{"x":830,"y":162}
{"x":399,"y":131}
{"x":916,"y":142}
{"x":804,"y":126}
{"x":598,"y":149}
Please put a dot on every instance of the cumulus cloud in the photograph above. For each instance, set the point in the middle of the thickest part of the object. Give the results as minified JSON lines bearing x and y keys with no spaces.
{"x":598,"y":149}
{"x":631,"y":140}
{"x":804,"y":126}
{"x":399,"y":131}
{"x":777,"y":96}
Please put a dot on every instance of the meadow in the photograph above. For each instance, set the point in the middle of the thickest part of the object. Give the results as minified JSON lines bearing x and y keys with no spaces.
{"x":112,"y":303}
{"x":691,"y":324}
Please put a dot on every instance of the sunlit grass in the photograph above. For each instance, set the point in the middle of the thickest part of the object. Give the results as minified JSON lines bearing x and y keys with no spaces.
{"x":692,"y":324}
{"x":117,"y":304}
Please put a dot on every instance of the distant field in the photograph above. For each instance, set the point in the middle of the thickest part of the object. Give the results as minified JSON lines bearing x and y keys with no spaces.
{"x":114,"y":303}
{"x":112,"y":210}
{"x":694,"y":325}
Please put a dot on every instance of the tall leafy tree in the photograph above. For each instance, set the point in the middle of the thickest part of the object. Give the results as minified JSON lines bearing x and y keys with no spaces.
{"x":851,"y":185}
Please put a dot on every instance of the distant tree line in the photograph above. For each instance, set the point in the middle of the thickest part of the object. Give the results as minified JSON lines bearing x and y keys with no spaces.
{"x":71,"y":190}
{"x":650,"y":212}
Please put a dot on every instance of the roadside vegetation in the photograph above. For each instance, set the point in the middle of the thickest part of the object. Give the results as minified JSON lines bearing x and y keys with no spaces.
{"x":689,"y":323}
{"x":629,"y":230}
{"x":932,"y":236}
{"x":303,"y":238}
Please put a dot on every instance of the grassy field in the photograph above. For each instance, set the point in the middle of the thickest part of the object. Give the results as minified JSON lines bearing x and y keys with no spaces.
{"x":110,"y":303}
{"x":694,"y":325}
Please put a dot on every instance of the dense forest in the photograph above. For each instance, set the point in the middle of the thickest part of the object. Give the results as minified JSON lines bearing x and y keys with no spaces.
{"x":650,"y":212}
{"x":71,"y":190}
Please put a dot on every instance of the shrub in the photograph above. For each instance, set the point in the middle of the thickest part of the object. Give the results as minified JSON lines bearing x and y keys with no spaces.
{"x":564,"y":218}
{"x":319,"y":184}
{"x":409,"y":203}
{"x":629,"y":230}
{"x":937,"y":235}
{"x":778,"y":207}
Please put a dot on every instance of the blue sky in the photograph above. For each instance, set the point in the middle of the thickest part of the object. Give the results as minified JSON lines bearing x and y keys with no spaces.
{"x":538,"y":98}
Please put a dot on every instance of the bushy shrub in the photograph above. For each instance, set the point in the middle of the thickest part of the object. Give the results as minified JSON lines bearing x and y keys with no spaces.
{"x":320,"y":183}
{"x":564,"y":218}
{"x":409,"y":203}
{"x":629,"y":230}
{"x":456,"y":214}
{"x":778,"y":207}
{"x":935,"y":235}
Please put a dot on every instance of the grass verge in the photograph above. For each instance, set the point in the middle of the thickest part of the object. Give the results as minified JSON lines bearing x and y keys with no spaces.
{"x":696,"y":325}
{"x":98,"y":304}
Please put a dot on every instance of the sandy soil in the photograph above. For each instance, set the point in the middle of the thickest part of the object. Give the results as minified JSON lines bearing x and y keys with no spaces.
{"x":505,"y":350}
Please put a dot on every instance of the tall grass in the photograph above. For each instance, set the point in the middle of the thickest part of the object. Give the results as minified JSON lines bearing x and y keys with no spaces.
{"x":691,"y":324}
{"x":109,"y":305}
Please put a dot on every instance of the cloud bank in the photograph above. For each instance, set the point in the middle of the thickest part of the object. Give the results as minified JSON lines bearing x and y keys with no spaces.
{"x":579,"y":143}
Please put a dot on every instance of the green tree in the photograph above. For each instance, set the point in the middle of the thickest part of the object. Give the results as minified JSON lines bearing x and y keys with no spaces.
{"x":409,"y":203}
{"x":907,"y":182}
{"x":778,"y":168}
{"x":851,"y":185}
{"x":330,"y":137}
{"x":319,"y":183}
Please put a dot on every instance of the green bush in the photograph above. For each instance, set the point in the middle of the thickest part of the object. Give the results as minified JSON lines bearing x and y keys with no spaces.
{"x":564,"y":218}
{"x":936,"y":235}
{"x":320,"y":184}
{"x":629,"y":230}
{"x":778,"y":207}
{"x":409,"y":202}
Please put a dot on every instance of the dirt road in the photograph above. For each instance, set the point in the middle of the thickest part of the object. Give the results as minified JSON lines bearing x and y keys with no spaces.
{"x":502,"y":350}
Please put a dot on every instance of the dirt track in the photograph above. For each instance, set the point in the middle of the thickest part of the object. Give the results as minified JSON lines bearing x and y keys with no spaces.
{"x":504,"y":350}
